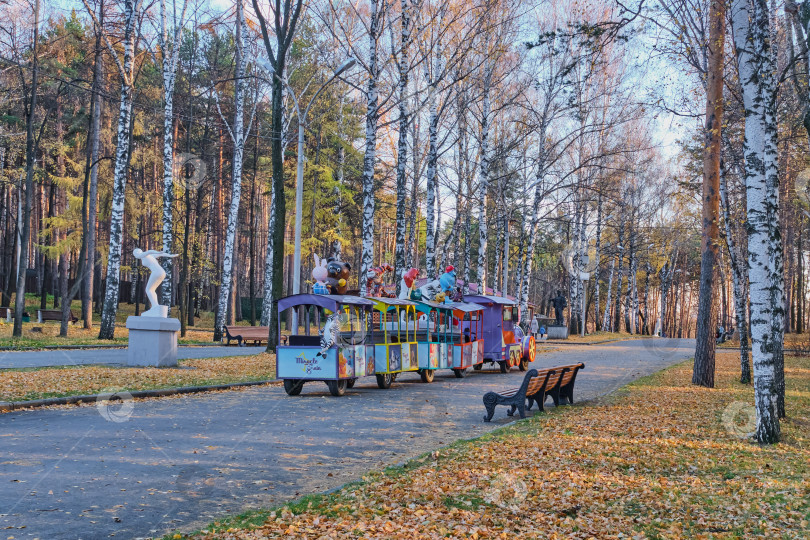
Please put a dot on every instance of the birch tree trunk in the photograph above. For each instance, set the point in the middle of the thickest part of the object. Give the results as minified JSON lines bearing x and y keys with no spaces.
{"x":30,"y":148}
{"x":369,"y":159}
{"x":432,"y":167}
{"x":598,"y":321}
{"x":483,"y":186}
{"x":92,"y":195}
{"x":751,"y":29}
{"x":738,"y":276}
{"x":122,"y":155}
{"x":532,"y":234}
{"x":402,"y":144}
{"x":606,"y":326}
{"x":171,"y":52}
{"x":237,"y":134}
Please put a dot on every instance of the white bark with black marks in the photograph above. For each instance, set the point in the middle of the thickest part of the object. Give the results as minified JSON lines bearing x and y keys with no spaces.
{"x":369,"y":158}
{"x":483,"y":184}
{"x":126,"y":70}
{"x":751,"y":30}
{"x":169,"y":41}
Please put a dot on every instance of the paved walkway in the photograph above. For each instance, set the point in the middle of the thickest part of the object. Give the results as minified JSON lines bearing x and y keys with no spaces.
{"x":77,"y":357}
{"x":148,"y":467}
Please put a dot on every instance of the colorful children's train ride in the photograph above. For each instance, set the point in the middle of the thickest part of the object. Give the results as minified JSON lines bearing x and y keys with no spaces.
{"x":341,"y":338}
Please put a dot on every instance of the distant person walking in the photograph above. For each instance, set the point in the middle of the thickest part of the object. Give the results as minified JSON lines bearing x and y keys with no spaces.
{"x":535,"y":326}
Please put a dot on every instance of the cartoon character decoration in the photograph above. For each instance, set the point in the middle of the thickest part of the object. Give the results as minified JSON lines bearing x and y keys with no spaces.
{"x":429,"y":290}
{"x":320,"y":274}
{"x":406,"y":287}
{"x":374,"y":280}
{"x":329,"y":334}
{"x":337,"y":275}
{"x":448,"y":281}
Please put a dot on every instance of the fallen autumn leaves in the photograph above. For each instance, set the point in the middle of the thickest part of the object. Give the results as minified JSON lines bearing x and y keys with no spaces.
{"x":21,"y":385}
{"x":655,"y":459}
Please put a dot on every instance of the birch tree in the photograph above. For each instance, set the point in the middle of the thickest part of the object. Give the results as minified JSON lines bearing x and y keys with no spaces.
{"x":27,"y":195}
{"x":402,"y":141}
{"x":169,"y":36}
{"x":237,"y":133}
{"x":126,"y":70}
{"x":751,"y":31}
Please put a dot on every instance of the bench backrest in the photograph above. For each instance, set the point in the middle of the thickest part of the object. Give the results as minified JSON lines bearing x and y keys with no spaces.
{"x":305,"y":341}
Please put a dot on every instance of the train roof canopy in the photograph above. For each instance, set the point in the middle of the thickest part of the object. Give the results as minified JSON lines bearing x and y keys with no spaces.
{"x":481,"y":298}
{"x":328,"y":301}
{"x":465,"y":307}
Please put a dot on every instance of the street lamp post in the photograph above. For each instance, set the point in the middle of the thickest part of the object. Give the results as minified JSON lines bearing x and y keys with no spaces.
{"x":299,"y":180}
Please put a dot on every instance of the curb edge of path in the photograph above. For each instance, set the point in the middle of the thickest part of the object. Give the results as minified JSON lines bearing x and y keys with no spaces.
{"x":198,"y":344}
{"x":549,"y":343}
{"x":8,"y":406}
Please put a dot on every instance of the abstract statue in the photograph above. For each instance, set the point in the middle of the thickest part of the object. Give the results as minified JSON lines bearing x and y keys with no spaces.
{"x":156,"y":277}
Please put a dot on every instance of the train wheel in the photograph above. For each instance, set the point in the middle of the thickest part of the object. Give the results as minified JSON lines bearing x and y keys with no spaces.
{"x":350,"y":383}
{"x":460,"y":373}
{"x":293,"y":386}
{"x":505,"y":367}
{"x":477,"y":367}
{"x":384,"y":380}
{"x":427,"y":375}
{"x":524,"y":364}
{"x":337,"y":388}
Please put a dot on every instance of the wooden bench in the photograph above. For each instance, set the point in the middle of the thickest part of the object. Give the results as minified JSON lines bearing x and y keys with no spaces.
{"x":538,"y":385}
{"x":256,"y":334}
{"x":54,"y":315}
{"x":8,"y":313}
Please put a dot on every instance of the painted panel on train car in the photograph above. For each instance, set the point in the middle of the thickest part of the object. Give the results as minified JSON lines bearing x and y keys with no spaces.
{"x":424,"y":354}
{"x":466,"y":350}
{"x":370,"y":355}
{"x":433,"y":355}
{"x":414,"y":356}
{"x":456,"y":357}
{"x":404,"y":357}
{"x":304,"y":363}
{"x":394,"y":358}
{"x":346,"y":362}
{"x":380,"y":358}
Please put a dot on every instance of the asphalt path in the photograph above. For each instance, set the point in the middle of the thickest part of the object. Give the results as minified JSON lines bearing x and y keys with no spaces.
{"x":145,"y":468}
{"x":79,"y":357}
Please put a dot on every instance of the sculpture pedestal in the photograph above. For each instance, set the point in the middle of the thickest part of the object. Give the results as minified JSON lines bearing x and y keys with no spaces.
{"x":557,"y":332}
{"x":152,"y":341}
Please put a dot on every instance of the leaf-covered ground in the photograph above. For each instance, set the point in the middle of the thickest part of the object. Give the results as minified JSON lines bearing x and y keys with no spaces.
{"x":25,"y":384}
{"x":658,"y":459}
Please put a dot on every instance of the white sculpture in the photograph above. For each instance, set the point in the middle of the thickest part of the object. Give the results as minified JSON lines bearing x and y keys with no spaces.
{"x":156,"y":277}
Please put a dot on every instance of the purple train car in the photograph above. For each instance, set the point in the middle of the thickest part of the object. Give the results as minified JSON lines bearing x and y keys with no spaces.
{"x":504,"y":342}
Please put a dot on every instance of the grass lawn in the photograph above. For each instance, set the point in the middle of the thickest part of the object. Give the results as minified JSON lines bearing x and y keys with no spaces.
{"x":26,"y":384}
{"x":599,"y":336}
{"x":47,"y":333}
{"x":657,"y":459}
